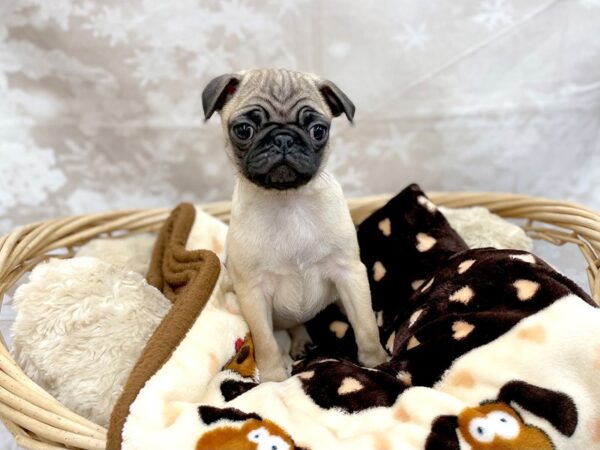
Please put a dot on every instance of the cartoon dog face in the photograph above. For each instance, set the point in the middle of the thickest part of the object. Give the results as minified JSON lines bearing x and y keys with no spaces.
{"x":252,"y":435}
{"x":241,"y":431}
{"x":498,"y":426}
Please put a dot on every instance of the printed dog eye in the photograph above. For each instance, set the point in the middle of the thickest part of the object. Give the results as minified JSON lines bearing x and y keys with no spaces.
{"x":503,"y":424}
{"x":481,"y":431}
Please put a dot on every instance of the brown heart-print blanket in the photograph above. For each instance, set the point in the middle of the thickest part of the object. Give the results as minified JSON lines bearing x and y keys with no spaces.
{"x":490,"y":349}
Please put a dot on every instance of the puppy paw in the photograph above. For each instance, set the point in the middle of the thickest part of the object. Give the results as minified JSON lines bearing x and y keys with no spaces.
{"x":273,"y":373}
{"x":373,"y":358}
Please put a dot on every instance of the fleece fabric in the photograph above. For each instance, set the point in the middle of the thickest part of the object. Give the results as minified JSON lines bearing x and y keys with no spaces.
{"x":489,"y":349}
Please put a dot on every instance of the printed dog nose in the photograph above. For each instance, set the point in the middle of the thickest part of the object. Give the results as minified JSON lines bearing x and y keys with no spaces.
{"x":283,"y":140}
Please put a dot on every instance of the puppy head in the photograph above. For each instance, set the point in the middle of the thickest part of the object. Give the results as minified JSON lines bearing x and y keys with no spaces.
{"x":276,"y":123}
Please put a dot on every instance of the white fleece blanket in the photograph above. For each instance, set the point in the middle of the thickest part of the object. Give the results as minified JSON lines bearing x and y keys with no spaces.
{"x":539,"y":353}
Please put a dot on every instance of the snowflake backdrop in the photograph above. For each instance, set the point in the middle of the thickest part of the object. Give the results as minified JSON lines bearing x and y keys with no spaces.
{"x":100,"y":101}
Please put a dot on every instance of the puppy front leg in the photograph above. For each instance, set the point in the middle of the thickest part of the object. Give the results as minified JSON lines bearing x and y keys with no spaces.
{"x":257,"y":311}
{"x":352,"y":286}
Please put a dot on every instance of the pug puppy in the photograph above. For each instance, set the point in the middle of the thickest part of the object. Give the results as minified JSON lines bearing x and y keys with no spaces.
{"x":292,"y":248}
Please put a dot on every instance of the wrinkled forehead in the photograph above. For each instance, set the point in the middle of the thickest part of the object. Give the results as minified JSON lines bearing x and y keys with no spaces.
{"x":281,"y":93}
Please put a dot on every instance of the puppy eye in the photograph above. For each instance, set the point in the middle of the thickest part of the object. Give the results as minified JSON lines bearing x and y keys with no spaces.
{"x":318,"y":132}
{"x":243,"y":131}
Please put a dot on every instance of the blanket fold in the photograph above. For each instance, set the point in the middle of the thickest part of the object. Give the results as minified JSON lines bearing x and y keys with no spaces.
{"x":187,"y":278}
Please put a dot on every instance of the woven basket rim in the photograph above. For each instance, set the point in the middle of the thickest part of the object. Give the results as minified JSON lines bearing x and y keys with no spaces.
{"x":40,"y":422}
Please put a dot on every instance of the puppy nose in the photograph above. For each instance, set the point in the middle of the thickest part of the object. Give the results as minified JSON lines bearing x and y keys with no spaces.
{"x":283,"y":140}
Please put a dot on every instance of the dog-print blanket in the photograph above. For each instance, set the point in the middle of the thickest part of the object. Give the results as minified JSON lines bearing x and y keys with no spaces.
{"x":489,"y":349}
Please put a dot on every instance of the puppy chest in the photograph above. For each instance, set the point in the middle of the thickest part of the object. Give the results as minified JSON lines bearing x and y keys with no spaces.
{"x":299,"y":297}
{"x":297,"y":246}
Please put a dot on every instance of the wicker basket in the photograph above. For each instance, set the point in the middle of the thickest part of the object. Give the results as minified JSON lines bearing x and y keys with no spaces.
{"x":39,"y":422}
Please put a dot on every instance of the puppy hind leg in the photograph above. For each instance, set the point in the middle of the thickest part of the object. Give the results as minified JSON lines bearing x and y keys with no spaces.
{"x":284,"y":341}
{"x":300,"y":340}
{"x":352,"y":286}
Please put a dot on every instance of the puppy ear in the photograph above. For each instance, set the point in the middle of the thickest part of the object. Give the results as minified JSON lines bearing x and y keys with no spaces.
{"x":337,"y":101}
{"x":218,"y":92}
{"x":557,"y":408}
